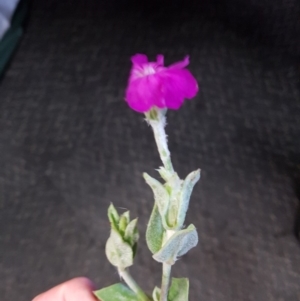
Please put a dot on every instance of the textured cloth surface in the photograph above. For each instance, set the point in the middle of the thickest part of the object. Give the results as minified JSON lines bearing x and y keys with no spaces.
{"x":70,"y":145}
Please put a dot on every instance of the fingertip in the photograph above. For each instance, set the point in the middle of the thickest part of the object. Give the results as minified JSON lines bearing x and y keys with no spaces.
{"x":83,"y":281}
{"x":76,"y":289}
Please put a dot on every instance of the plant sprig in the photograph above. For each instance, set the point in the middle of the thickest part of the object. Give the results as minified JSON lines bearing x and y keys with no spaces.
{"x":152,"y":89}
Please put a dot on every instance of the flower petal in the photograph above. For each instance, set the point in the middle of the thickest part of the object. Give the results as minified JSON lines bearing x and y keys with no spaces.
{"x":139,"y":59}
{"x":151,"y":84}
{"x":144,"y":93}
{"x":160,"y":60}
{"x":189,"y":83}
{"x":180,"y":65}
{"x":178,"y":84}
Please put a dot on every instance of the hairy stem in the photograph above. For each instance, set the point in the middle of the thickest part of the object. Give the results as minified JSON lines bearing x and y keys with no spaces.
{"x":158,"y":125}
{"x":156,"y":118}
{"x":132,"y":284}
{"x":166,"y":273}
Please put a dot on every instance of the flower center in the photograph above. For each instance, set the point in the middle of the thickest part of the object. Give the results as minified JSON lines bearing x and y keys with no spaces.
{"x":148,"y":69}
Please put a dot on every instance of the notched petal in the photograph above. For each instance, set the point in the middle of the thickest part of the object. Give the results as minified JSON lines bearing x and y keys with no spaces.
{"x":160,"y":60}
{"x":180,"y":65}
{"x":139,"y":59}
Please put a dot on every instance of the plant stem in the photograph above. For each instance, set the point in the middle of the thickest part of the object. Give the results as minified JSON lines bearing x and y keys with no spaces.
{"x":132,"y":284}
{"x":165,"y":282}
{"x":158,"y":126}
{"x":157,"y":120}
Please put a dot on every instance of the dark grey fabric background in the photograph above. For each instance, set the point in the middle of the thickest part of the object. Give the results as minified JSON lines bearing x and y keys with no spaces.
{"x":69,"y":144}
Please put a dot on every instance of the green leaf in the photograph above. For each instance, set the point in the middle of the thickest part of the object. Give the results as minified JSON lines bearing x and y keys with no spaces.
{"x":131,"y":233}
{"x":124,"y":220}
{"x":113,"y":216}
{"x":155,"y":231}
{"x":185,"y":195}
{"x":179,"y":290}
{"x":161,"y":195}
{"x":172,"y":215}
{"x":118,"y":252}
{"x":156,"y":294}
{"x":175,"y":184}
{"x":126,"y":214}
{"x":165,"y":174}
{"x":177,"y":245}
{"x":116,"y":292}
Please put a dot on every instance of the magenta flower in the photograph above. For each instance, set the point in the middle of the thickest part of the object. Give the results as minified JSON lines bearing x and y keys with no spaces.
{"x":151,"y":84}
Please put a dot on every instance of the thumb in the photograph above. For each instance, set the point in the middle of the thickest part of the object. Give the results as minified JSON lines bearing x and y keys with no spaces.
{"x":77,"y":289}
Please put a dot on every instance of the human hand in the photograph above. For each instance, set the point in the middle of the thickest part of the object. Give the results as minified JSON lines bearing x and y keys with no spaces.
{"x":77,"y":289}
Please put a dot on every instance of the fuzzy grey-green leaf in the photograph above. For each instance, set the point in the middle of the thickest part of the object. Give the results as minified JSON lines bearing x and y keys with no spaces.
{"x":179,"y":290}
{"x":161,"y":195}
{"x":175,"y":184}
{"x":113,"y":216}
{"x":156,"y":294}
{"x":186,"y":191}
{"x":155,"y":231}
{"x":126,"y":214}
{"x":123,"y":222}
{"x":118,"y":252}
{"x":165,"y":174}
{"x":131,"y":233}
{"x":116,"y":292}
{"x":177,"y":245}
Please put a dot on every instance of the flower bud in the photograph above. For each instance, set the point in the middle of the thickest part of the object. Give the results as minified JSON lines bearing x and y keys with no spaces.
{"x":121,"y":245}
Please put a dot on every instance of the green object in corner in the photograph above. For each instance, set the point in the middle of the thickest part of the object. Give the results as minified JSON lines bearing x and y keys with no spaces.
{"x":11,"y":38}
{"x":116,"y":292}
